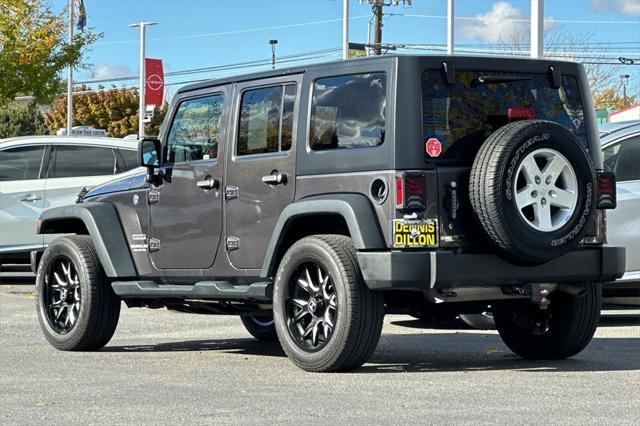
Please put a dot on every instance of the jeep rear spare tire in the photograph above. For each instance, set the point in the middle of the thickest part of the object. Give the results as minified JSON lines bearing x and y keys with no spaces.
{"x":532,"y":190}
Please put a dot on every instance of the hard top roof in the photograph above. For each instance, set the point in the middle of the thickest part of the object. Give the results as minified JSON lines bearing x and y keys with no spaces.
{"x":371,"y":59}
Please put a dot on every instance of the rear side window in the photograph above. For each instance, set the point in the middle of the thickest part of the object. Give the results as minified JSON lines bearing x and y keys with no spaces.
{"x":348,"y":111}
{"x":463,"y":115}
{"x":21,"y":163}
{"x":130,"y":158}
{"x":624,"y":159}
{"x":195,"y":131}
{"x":266,"y":120}
{"x":74,"y":160}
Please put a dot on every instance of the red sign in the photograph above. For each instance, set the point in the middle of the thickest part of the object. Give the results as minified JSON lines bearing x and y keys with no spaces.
{"x":433,"y":147}
{"x":154,"y":88}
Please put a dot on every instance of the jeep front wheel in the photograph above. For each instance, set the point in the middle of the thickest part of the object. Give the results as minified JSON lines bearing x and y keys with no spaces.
{"x":260,"y":327}
{"x":561,"y":332}
{"x":77,"y":308}
{"x":325,"y":316}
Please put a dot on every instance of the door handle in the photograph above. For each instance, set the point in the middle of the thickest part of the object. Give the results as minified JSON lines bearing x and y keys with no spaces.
{"x":31,"y":198}
{"x":275,"y":178}
{"x":208,"y":183}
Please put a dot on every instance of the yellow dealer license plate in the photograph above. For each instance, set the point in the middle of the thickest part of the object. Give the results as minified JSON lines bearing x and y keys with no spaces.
{"x":409,"y":233}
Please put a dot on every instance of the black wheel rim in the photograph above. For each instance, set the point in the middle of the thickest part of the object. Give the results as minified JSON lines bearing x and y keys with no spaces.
{"x":311,"y":307}
{"x":62,"y":297}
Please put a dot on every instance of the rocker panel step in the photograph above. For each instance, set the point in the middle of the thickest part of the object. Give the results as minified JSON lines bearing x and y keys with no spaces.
{"x":213,"y":290}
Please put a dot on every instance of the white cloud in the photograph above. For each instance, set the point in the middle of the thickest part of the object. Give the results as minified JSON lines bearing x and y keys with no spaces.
{"x":502,"y":23}
{"x":107,"y":71}
{"x":627,"y":7}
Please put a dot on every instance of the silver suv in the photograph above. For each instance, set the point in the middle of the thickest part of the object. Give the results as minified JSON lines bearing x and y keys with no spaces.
{"x":37,"y":173}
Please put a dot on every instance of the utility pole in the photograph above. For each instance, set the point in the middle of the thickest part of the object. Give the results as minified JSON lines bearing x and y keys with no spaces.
{"x":537,"y":28}
{"x":450,"y":26}
{"x":70,"y":75}
{"x":141,"y":107}
{"x":377,"y":35}
{"x":345,"y":29}
{"x":273,"y":53}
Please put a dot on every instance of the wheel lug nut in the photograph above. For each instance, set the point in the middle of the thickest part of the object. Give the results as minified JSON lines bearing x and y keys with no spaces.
{"x":534,"y":194}
{"x":537,"y":179}
{"x":548,"y":180}
{"x":552,"y":193}
{"x":543,"y":201}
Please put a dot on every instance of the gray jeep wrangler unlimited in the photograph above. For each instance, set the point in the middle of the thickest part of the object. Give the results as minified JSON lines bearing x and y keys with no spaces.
{"x":311,"y":201}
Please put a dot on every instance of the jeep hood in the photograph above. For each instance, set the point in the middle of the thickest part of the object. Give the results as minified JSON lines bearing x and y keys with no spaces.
{"x":123,"y":182}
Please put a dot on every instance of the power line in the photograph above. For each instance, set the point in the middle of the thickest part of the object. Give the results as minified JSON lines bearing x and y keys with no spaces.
{"x":240,"y":65}
{"x":242,"y":31}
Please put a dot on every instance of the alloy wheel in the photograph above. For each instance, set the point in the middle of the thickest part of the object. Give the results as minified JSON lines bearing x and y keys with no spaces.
{"x":311,"y":307}
{"x":545,"y":187}
{"x":62,"y":295}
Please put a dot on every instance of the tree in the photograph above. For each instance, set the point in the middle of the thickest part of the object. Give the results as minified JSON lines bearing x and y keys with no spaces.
{"x":34,"y":50}
{"x":611,"y":99}
{"x":21,"y":119}
{"x":601,"y":73}
{"x":114,"y":110}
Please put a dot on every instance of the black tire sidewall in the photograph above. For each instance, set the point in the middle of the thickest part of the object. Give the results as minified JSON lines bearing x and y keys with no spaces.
{"x":309,"y":250}
{"x":552,"y":136}
{"x":65,"y":247}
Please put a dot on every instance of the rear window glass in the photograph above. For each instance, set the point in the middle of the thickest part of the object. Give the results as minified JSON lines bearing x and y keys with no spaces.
{"x":348,"y":111}
{"x":463,"y":115}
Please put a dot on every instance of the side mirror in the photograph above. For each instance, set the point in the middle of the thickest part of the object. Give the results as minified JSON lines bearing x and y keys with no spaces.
{"x":149,"y":155}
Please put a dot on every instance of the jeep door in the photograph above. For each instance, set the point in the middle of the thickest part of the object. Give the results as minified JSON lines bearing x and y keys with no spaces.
{"x":260,"y":173}
{"x":186,"y":208}
{"x":21,"y":196}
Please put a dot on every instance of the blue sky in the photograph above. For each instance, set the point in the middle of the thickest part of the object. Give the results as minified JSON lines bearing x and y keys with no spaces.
{"x":203,"y":33}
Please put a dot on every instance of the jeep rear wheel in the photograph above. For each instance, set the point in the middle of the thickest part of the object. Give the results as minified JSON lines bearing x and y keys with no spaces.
{"x":326,"y":317}
{"x":532,"y":189}
{"x":563,"y":331}
{"x":77,"y":309}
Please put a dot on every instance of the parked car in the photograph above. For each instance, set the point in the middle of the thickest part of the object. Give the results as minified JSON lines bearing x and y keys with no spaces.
{"x":621,"y":148}
{"x":37,"y":173}
{"x":310,"y":201}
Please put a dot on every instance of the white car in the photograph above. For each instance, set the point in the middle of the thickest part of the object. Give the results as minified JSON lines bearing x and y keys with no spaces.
{"x":40,"y":172}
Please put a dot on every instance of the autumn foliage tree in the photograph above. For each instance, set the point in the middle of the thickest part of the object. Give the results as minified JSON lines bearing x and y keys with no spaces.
{"x":114,"y":110}
{"x":34,"y":50}
{"x":611,"y":100}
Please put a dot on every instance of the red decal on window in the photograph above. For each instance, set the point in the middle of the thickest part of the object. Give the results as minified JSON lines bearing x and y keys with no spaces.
{"x":433,"y":147}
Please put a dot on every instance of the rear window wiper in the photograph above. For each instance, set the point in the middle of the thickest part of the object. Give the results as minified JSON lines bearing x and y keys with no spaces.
{"x":497,"y":79}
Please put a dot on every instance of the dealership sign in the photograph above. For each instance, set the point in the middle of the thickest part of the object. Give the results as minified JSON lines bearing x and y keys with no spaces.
{"x":154,"y":87}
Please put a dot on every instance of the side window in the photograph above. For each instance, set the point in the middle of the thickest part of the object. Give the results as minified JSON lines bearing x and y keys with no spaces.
{"x":21,"y":163}
{"x":195,"y":131}
{"x":348,"y":111}
{"x":628,"y":162}
{"x":75,"y":160}
{"x":611,"y":157}
{"x":266,"y":120}
{"x":130,"y":158}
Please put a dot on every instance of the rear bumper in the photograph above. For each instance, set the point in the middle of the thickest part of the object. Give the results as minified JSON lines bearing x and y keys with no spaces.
{"x":441,"y":270}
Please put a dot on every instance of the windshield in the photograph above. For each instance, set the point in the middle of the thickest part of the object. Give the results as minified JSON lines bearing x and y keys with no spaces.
{"x":462,"y":115}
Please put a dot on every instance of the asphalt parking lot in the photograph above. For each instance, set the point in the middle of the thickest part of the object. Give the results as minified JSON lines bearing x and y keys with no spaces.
{"x":164,"y":367}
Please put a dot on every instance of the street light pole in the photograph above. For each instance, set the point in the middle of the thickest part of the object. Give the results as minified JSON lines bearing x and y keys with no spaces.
{"x":141,"y":107}
{"x":273,"y":53}
{"x":624,"y":78}
{"x":537,"y":28}
{"x":70,"y":75}
{"x":345,"y":29}
{"x":450,"y":26}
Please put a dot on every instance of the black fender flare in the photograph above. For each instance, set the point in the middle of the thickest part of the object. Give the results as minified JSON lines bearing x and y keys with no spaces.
{"x":355,"y":209}
{"x":103,"y":224}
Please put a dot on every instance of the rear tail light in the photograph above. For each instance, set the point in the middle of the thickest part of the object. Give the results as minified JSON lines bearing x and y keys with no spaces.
{"x":411,"y":191}
{"x":521,"y":113}
{"x":399,"y":192}
{"x":606,"y":190}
